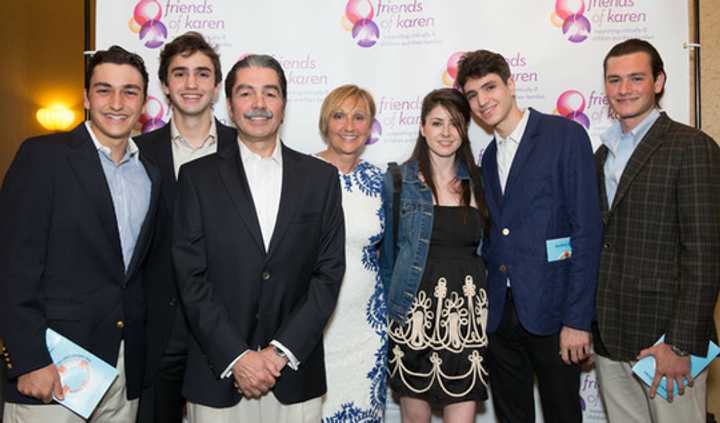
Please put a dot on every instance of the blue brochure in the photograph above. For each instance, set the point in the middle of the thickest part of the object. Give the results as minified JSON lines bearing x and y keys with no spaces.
{"x":645,"y":368}
{"x":558,"y":249}
{"x":84,"y":377}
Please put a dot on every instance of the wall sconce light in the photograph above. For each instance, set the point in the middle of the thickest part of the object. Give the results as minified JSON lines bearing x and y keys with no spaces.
{"x":55,"y":118}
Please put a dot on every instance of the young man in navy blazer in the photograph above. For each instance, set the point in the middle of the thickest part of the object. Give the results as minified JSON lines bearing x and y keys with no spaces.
{"x":76,"y":215}
{"x":542,"y":249}
{"x":190,"y":76}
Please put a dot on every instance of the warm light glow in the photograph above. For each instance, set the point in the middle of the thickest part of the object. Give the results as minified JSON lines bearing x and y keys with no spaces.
{"x":56,"y":117}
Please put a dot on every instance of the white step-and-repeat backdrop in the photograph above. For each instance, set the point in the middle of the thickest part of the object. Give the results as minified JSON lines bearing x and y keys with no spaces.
{"x":401,"y":49}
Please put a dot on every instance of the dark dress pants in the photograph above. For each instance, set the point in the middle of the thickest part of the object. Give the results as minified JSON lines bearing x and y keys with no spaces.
{"x":162,"y":401}
{"x":515,"y":355}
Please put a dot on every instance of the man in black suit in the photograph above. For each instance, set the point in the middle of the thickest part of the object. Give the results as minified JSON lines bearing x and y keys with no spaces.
{"x":190,"y":75}
{"x":76,"y":217}
{"x":259,"y":254}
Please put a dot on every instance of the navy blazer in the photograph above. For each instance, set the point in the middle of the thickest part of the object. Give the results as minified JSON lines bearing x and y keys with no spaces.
{"x":238,"y":296}
{"x":61,"y":266}
{"x":551,"y":192}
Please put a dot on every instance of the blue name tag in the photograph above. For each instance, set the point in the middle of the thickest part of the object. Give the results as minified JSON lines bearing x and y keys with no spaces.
{"x":558,"y":249}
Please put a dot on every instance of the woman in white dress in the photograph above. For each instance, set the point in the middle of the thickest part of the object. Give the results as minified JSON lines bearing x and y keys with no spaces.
{"x":355,"y":338}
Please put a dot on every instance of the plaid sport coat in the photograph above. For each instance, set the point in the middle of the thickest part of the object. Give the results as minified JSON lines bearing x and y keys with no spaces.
{"x":660,"y":261}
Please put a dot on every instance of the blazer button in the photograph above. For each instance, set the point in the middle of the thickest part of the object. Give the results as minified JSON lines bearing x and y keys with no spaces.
{"x":173,"y":301}
{"x":119,"y":324}
{"x":9,"y":366}
{"x":503,"y":268}
{"x":607,"y":246}
{"x":506,"y":231}
{"x":265,"y":276}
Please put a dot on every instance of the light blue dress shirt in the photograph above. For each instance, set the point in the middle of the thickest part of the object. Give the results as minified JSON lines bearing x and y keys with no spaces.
{"x":130,"y":189}
{"x":620,"y":148}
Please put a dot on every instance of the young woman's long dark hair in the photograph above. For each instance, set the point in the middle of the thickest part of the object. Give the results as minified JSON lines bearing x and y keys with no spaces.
{"x":459,"y":110}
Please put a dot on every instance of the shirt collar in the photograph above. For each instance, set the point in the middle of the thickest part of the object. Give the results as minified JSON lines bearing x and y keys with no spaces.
{"x":179,"y":140}
{"x":517,"y":133}
{"x":130,"y":151}
{"x":248,"y":156}
{"x":612,"y":136}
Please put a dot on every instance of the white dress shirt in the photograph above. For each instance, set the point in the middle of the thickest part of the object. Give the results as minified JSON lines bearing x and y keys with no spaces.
{"x":183,"y":152}
{"x":264,"y":177}
{"x":507,"y":147}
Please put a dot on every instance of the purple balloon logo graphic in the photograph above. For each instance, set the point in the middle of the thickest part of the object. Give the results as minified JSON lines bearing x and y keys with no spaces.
{"x":568,"y":15}
{"x":152,"y":118}
{"x":571,"y":104}
{"x":146,"y":23}
{"x":375,"y":133}
{"x":358,"y":18}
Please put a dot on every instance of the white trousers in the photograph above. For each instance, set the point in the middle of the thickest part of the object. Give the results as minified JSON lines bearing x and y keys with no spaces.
{"x":113,"y":408}
{"x":266,"y":409}
{"x":627,"y":398}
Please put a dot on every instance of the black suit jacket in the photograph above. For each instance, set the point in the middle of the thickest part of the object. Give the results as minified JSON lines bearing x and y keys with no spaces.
{"x":160,"y":288}
{"x":659,"y":268}
{"x":61,"y":266}
{"x":236,"y":295}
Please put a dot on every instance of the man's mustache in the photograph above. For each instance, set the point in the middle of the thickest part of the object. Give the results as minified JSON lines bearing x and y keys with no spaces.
{"x":258,"y":113}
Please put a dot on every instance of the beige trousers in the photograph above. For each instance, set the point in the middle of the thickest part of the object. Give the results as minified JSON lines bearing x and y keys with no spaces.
{"x":267,"y":409}
{"x":113,"y":408}
{"x":627,"y":398}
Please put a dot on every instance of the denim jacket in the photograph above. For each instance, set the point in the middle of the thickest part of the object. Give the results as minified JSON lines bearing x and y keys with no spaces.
{"x":401,"y":275}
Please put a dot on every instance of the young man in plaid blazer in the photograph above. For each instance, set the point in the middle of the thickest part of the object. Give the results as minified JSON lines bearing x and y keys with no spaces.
{"x":659,"y":186}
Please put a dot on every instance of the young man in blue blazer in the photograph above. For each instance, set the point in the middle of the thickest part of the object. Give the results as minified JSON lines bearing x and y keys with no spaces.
{"x":542,"y":249}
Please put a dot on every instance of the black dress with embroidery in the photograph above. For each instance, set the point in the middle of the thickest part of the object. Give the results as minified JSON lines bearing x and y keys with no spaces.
{"x":438,"y":353}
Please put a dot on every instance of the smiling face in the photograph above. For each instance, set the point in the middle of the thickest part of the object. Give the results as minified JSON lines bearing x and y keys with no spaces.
{"x":492,"y":100}
{"x":631,"y":88}
{"x":115,"y":100}
{"x":191,"y":84}
{"x":256,"y":104}
{"x":348,"y":127}
{"x":442,"y":136}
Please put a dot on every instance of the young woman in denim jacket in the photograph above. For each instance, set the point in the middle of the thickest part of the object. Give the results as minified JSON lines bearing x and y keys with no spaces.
{"x":433,"y":275}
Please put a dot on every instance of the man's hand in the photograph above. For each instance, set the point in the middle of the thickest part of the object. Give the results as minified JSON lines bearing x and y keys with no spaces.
{"x":670,"y":365}
{"x":41,"y":384}
{"x":574,"y":345}
{"x":278,"y":362}
{"x":254,"y":374}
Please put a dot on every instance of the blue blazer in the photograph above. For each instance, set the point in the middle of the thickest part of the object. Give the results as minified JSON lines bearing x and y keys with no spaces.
{"x":551,"y":192}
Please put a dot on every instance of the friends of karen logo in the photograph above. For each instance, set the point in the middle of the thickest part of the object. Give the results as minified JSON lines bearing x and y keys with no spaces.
{"x":451,"y":69}
{"x":152,"y":117}
{"x":146,"y":22}
{"x":358,"y":19}
{"x":569,"y":15}
{"x":571,"y":104}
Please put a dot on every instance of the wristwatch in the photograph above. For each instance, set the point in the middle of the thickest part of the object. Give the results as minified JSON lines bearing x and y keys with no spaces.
{"x":679,"y":351}
{"x":280,"y":353}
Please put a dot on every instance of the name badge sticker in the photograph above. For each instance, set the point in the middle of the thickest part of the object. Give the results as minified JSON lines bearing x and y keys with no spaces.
{"x":558,"y":249}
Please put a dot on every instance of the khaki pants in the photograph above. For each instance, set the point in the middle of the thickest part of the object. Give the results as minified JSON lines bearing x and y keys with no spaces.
{"x":113,"y":408}
{"x":627,"y":398}
{"x":267,"y":409}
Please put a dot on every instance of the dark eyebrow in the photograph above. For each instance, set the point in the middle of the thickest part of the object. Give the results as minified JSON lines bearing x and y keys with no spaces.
{"x":173,"y":69}
{"x":132,"y":87}
{"x":101,"y":85}
{"x":271,"y":87}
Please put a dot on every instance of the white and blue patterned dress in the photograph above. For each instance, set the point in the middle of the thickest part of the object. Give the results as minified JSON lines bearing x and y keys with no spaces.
{"x":355,"y":338}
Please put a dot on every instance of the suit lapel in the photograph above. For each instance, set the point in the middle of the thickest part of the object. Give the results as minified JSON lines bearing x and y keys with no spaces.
{"x":86,"y":164}
{"x":491,"y":173}
{"x":525,"y":149}
{"x":601,"y":156}
{"x":645,"y":149}
{"x":143,"y":240}
{"x":160,"y":152}
{"x":233,"y":176}
{"x":290,"y":196}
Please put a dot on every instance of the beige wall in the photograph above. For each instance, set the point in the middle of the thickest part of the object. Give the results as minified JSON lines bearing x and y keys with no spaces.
{"x":710,"y":85}
{"x":44,"y":64}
